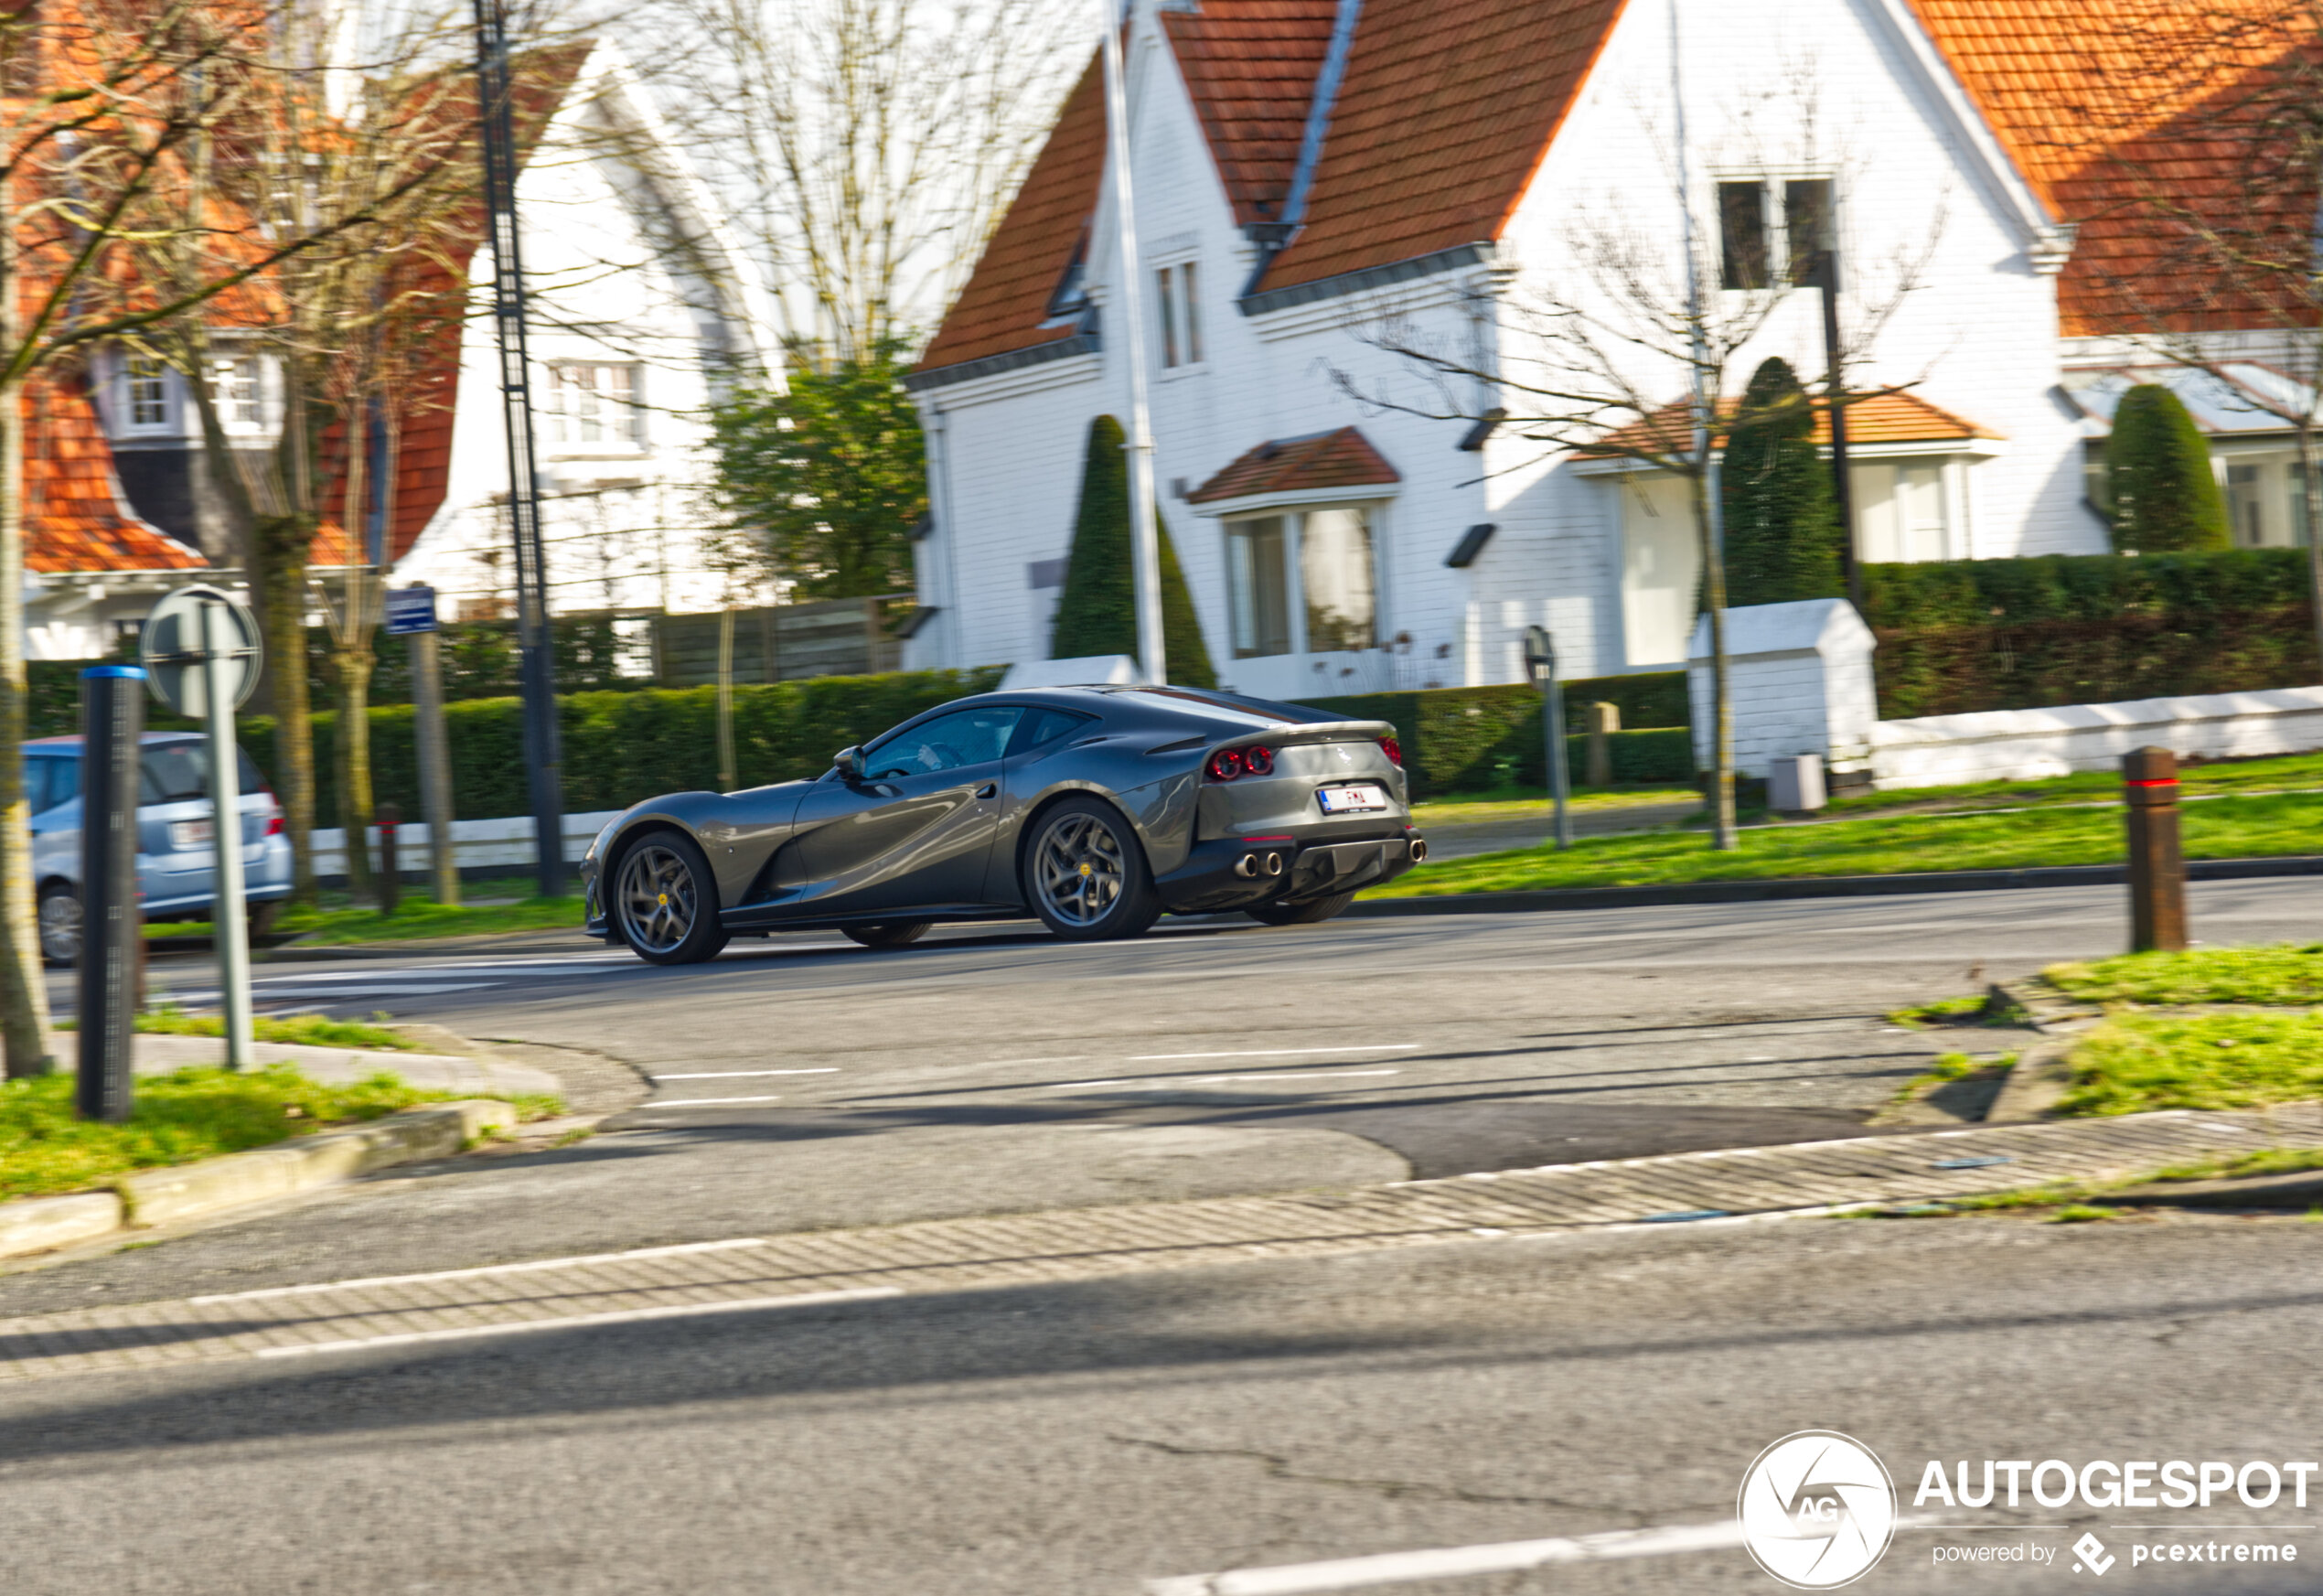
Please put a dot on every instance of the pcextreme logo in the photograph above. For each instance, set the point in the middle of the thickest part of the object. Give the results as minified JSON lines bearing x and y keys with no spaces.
{"x":1818,"y":1510}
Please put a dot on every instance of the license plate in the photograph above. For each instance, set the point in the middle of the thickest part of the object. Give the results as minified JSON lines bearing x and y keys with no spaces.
{"x":188,"y":834}
{"x":1349,"y":800}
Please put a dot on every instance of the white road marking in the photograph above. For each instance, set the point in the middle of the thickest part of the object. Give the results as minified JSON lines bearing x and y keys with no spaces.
{"x":1447,"y":1562}
{"x":1276,"y":1052}
{"x":393,"y":988}
{"x":579,"y":1321}
{"x":490,"y":1268}
{"x":700,"y":1102}
{"x":719,"y":1075}
{"x":1170,"y":1083}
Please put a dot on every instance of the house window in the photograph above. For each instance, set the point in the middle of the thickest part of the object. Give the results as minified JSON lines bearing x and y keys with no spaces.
{"x":234,"y":389}
{"x":1903,"y":513}
{"x":596,"y":405}
{"x":1302,"y":582}
{"x":144,"y":382}
{"x":2266,"y":502}
{"x":1660,"y":569}
{"x":1766,"y":226}
{"x":1177,"y":289}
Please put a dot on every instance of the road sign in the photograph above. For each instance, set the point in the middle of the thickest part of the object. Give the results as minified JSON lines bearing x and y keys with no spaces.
{"x":174,"y":652}
{"x":409,"y":609}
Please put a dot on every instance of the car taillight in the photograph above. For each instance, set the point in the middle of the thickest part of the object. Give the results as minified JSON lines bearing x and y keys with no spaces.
{"x":1225,"y":764}
{"x":1258,"y":761}
{"x":274,"y":824}
{"x":1393,"y":749}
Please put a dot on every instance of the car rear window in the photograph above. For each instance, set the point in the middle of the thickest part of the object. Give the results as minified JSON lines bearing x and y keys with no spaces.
{"x":173,"y":773}
{"x":49,"y":781}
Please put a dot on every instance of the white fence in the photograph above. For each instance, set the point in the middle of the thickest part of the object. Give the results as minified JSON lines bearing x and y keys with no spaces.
{"x":475,"y":844}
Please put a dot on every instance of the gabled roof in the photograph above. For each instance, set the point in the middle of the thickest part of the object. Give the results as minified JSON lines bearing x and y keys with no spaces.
{"x":1885,"y":418}
{"x":1251,"y":69}
{"x":1343,"y":458}
{"x":75,"y":517}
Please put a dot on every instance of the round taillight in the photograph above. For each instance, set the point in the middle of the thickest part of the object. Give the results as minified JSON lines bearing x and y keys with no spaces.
{"x":1393,"y":749}
{"x":1258,"y":761}
{"x":1225,"y":764}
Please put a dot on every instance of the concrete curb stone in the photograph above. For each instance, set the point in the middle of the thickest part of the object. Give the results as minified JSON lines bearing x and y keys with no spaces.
{"x":43,"y":1224}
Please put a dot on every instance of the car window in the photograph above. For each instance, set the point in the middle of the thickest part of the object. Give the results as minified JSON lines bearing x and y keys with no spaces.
{"x":1043,"y":727}
{"x":39,"y":775}
{"x":172,"y":773}
{"x":64,"y":780}
{"x":946,"y":743}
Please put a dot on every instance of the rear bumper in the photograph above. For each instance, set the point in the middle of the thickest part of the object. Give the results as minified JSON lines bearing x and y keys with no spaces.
{"x":1345,"y":867}
{"x":1231,"y":872}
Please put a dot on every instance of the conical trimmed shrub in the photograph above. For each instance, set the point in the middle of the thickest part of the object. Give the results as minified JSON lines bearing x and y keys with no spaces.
{"x":2158,"y":469}
{"x":1782,"y":536}
{"x":1097,"y":613}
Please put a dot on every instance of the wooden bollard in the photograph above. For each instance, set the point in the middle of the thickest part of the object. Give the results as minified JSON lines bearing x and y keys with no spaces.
{"x":1604,"y":720}
{"x":2157,"y":860}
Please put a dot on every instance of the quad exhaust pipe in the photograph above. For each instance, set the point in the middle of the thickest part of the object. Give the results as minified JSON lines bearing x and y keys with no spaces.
{"x":1251,"y":866}
{"x":1419,"y":850}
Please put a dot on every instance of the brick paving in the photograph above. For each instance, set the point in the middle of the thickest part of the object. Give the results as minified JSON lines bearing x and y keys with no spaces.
{"x":821,"y":1266}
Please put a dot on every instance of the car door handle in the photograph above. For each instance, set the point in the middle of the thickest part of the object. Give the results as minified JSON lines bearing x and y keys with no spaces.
{"x":989,"y":789}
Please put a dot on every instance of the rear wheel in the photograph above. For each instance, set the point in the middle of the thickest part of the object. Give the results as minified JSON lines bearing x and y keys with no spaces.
{"x":1085,"y":873}
{"x":1312,"y":911}
{"x":887,"y":933}
{"x":60,"y":925}
{"x":666,"y":900}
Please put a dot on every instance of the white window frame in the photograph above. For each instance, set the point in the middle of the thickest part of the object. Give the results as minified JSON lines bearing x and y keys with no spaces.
{"x":1774,"y":215}
{"x":563,"y":413}
{"x":1294,"y":509}
{"x":1180,"y":340}
{"x":137,"y":370}
{"x":230,"y":404}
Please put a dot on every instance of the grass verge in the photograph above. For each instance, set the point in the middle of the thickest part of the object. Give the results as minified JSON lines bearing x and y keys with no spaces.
{"x":2136,"y":1062}
{"x":180,"y":1118}
{"x":417,"y":917}
{"x":1524,"y":803}
{"x":1896,"y":845}
{"x":308,"y":1030}
{"x":2287,"y":974}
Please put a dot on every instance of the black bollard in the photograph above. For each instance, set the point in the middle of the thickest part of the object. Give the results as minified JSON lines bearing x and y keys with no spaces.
{"x":390,"y":870}
{"x":112,"y":722}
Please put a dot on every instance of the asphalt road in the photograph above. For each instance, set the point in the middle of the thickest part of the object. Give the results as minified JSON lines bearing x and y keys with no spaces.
{"x":1081,"y":1441}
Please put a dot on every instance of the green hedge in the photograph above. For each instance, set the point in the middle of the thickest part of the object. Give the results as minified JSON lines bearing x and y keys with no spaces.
{"x":620,"y":748}
{"x":1475,"y":739}
{"x":1962,"y":636}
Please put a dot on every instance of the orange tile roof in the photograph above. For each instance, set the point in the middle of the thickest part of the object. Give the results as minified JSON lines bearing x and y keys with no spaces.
{"x":1885,"y":418}
{"x":1343,"y":458}
{"x":75,"y":517}
{"x":1251,"y":66}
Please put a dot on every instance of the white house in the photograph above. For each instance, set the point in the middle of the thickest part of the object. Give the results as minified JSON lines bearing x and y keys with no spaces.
{"x":1308,"y":173}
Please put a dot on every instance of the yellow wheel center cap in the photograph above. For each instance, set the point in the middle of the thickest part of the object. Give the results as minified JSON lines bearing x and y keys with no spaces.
{"x":663,"y":899}
{"x":1088,"y":869}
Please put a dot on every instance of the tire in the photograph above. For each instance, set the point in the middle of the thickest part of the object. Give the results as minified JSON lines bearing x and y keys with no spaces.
{"x":1085,"y":873}
{"x":666,"y":900}
{"x":1314,"y":911}
{"x":60,"y":925}
{"x":886,"y":933}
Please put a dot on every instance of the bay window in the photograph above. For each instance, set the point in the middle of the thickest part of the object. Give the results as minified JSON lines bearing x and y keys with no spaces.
{"x":1304,"y":581}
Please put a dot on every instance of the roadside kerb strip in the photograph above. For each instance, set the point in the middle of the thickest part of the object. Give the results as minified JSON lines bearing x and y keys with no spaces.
{"x":833,"y":1268}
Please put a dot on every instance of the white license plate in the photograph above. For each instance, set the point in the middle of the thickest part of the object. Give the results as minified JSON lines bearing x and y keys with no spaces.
{"x":1349,"y":800}
{"x":189,"y":834}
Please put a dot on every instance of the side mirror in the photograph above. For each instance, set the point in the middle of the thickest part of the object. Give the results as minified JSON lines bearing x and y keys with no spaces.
{"x":849,"y":763}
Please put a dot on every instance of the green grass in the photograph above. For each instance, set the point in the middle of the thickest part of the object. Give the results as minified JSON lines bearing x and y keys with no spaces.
{"x":2287,"y":974}
{"x":1895,"y":845}
{"x":417,"y":917}
{"x":2135,"y":1063}
{"x":1943,"y":1011}
{"x":2236,"y":775}
{"x":310,"y":1030}
{"x":1528,"y":802}
{"x":179,"y":1118}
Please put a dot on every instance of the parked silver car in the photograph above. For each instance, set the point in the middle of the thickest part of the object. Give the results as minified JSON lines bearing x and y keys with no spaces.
{"x":174,"y":862}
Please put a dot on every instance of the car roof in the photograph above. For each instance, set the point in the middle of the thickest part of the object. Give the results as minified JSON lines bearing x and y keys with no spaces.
{"x":1194,"y":702}
{"x":73,"y":744}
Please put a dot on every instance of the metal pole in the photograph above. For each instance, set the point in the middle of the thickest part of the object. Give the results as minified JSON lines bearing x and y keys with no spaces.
{"x":1560,"y":783}
{"x":436,"y":765}
{"x":1145,"y":546}
{"x":229,"y":913}
{"x":112,"y":721}
{"x":2156,"y":862}
{"x":538,"y":672}
{"x":390,"y":820}
{"x":1827,"y":272}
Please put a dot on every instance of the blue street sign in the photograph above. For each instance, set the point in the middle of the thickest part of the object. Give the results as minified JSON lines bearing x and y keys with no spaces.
{"x":409,"y":610}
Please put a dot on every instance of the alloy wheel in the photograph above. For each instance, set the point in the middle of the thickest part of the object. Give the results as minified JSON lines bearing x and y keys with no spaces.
{"x":60,"y":927}
{"x":657,"y":898}
{"x":1079,"y":869}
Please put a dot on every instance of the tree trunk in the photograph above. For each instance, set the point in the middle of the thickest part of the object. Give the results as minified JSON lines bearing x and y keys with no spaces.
{"x":351,"y":664}
{"x":279,"y":586}
{"x":1721,"y":793}
{"x":23,"y":989}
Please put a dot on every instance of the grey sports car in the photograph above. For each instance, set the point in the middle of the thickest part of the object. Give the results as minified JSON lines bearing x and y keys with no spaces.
{"x":1097,"y":808}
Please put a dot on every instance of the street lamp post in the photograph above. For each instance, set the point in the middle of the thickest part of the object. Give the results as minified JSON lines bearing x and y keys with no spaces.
{"x":1145,"y":556}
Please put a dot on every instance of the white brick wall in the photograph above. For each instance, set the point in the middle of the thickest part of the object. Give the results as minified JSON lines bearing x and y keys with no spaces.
{"x":1800,"y":679}
{"x":2028,"y":745}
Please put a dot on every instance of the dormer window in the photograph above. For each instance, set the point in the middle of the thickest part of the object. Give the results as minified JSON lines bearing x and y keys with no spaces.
{"x":234,"y":386}
{"x":145,"y":394}
{"x":1179,"y":291}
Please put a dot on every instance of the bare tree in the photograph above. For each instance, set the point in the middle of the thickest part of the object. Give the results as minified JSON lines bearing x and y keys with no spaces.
{"x":870,"y":145}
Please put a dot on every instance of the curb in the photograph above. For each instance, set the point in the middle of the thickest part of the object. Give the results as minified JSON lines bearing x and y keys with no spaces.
{"x":427,"y":946}
{"x":162,"y":1196}
{"x":1813,"y":886}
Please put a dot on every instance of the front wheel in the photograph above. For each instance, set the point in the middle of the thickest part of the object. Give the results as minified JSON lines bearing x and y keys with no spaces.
{"x":60,"y":925}
{"x":1312,"y":911}
{"x":666,"y":900}
{"x":1085,"y":873}
{"x":887,"y":933}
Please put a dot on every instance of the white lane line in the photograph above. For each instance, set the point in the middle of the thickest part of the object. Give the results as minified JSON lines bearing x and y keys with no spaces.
{"x":490,"y":1269}
{"x":1170,"y":1083}
{"x":530,"y":966}
{"x":1447,"y":1562}
{"x":1276,"y":1052}
{"x":578,"y":1322}
{"x":699,"y":1102}
{"x":719,"y":1075}
{"x":393,"y":988}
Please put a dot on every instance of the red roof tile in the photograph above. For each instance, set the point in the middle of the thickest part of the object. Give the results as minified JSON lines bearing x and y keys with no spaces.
{"x":1338,"y":460}
{"x":1251,"y":66}
{"x":1885,"y":418}
{"x":75,"y":516}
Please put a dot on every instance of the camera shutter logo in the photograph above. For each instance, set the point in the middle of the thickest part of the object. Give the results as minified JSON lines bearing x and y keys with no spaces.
{"x":1818,"y":1510}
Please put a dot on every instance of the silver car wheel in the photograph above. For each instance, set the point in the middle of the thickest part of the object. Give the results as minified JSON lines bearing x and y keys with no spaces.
{"x":60,"y":927}
{"x":1079,"y":869}
{"x":657,"y":897}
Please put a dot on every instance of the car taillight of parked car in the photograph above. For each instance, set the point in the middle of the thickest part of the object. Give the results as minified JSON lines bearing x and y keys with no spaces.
{"x":274,"y":824}
{"x":1393,"y":749}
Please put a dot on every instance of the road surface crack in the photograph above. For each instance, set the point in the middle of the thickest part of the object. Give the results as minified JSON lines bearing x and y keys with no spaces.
{"x":1278,"y":1467}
